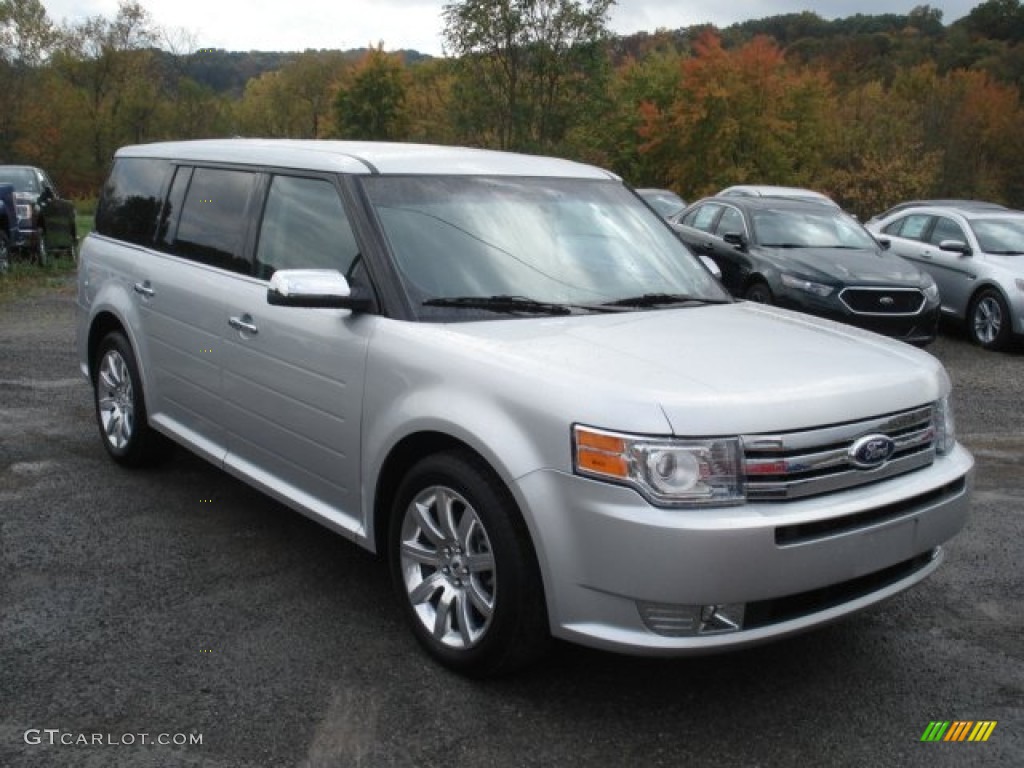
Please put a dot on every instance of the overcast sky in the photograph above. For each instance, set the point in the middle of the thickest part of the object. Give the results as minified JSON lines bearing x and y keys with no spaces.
{"x":243,"y":25}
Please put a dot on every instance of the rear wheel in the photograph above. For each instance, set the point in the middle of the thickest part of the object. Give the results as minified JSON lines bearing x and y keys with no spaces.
{"x":121,"y":405}
{"x":759,"y":292}
{"x":988,"y":320}
{"x":464,"y":568}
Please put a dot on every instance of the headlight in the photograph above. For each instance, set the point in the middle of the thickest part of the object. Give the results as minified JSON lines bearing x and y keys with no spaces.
{"x":1020,"y":284}
{"x":24,"y":212}
{"x":668,"y":472}
{"x":945,"y":428}
{"x":807,"y":286}
{"x":931,"y":291}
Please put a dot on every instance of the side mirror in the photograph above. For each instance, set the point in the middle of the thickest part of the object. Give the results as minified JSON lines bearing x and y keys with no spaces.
{"x":737,"y":239}
{"x":45,"y":196}
{"x":956,"y":246}
{"x":884,"y":242}
{"x":323,"y":288}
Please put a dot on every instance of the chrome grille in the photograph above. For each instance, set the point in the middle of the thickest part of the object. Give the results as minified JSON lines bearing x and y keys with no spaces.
{"x":882,"y":301}
{"x":795,"y":465}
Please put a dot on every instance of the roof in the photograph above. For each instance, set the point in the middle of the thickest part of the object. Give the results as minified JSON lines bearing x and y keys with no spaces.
{"x":363,"y":157}
{"x":970,"y":212}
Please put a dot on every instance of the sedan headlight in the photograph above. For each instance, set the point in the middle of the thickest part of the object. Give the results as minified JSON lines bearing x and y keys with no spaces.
{"x":931,"y":290}
{"x":945,"y":428}
{"x":807,"y":286}
{"x":666,"y":471}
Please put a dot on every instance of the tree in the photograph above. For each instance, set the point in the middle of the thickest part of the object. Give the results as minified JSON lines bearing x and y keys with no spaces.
{"x":738,"y":116}
{"x":370,"y":104}
{"x":525,"y":68}
{"x":26,"y":39}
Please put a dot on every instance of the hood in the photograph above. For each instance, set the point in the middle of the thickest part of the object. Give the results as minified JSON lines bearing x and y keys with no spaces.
{"x":846,"y":265}
{"x":712,"y":370}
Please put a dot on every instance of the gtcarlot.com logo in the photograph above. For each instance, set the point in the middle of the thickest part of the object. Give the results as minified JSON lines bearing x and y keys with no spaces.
{"x":959,"y":730}
{"x":55,"y":737}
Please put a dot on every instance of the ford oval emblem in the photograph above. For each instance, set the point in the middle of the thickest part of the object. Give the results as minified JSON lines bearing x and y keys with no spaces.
{"x":887,"y":301}
{"x":871,"y":451}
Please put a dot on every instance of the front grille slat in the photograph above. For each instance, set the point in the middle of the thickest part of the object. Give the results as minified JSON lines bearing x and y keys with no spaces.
{"x":799,"y":465}
{"x":883,"y":301}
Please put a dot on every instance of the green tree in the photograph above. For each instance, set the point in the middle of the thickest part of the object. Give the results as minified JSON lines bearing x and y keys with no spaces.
{"x":525,"y":68}
{"x":370,"y":104}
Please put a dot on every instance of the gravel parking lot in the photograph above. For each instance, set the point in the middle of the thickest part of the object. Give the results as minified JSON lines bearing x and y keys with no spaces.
{"x":178,"y":605}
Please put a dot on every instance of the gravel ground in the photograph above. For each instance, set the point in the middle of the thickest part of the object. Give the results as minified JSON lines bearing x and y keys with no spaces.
{"x":179,"y":601}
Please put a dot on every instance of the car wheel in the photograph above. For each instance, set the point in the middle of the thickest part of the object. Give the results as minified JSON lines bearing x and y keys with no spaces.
{"x":988,"y":321}
{"x":121,"y":405}
{"x":42,"y":255}
{"x":464,"y":568}
{"x":759,"y":292}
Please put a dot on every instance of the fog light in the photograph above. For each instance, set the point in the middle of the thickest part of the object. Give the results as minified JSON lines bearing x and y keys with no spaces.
{"x":670,"y":620}
{"x":715,"y":619}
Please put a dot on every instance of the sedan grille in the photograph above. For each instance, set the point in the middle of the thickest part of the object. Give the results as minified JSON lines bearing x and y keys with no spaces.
{"x":797,"y":465}
{"x":883,"y":301}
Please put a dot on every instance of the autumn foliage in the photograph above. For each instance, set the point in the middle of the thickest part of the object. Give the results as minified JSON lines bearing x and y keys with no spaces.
{"x":870,"y":109}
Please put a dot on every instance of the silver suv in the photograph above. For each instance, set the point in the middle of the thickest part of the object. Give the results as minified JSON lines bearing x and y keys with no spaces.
{"x":506,"y":374}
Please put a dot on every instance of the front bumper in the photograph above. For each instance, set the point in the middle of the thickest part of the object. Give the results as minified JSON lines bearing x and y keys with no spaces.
{"x":919,"y":329}
{"x":607,"y":556}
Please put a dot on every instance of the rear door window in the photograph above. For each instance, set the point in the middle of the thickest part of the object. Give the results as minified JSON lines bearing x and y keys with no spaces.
{"x":214,"y":217}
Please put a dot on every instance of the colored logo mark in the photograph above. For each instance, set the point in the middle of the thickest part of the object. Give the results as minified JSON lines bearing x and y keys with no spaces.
{"x":959,"y":730}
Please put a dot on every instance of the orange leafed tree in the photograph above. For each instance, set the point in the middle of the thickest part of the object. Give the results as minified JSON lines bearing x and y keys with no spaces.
{"x":742,"y":115}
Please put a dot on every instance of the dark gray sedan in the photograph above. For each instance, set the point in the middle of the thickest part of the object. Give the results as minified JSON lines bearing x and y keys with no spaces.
{"x":814,"y":259}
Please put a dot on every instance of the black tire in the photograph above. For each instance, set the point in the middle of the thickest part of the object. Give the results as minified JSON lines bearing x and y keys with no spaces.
{"x":759,"y":292}
{"x":42,"y":255}
{"x":989,"y":324}
{"x":472,"y":593}
{"x":120,"y":406}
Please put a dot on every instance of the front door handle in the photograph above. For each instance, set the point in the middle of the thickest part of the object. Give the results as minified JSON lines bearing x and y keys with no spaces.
{"x":245,"y":323}
{"x":145,"y":288}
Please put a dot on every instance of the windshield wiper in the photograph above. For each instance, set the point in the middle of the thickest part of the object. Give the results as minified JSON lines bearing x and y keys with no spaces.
{"x":784,"y":245}
{"x":1006,"y":253}
{"x":508,"y":304}
{"x":662,"y":299}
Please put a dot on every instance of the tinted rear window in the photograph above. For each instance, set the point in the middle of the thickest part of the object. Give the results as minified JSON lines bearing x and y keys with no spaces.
{"x":130,"y":201}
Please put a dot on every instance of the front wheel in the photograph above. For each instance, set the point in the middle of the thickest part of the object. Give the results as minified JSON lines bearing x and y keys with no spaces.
{"x":121,"y":405}
{"x":988,"y":321}
{"x":464,"y":568}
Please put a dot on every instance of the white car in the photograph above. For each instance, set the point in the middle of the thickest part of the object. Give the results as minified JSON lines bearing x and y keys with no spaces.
{"x":508,"y":376}
{"x":976,"y":256}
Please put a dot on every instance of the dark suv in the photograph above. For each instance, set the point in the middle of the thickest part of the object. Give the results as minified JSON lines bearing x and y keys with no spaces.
{"x":34,"y":220}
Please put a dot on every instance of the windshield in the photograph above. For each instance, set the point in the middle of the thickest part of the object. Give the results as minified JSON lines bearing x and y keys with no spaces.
{"x":579,"y":243}
{"x":809,"y":229}
{"x":22,"y":178}
{"x":1002,"y":235}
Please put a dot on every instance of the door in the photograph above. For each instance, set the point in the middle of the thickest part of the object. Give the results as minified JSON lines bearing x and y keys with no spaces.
{"x":181,"y":297}
{"x":57,"y":215}
{"x":953,"y":271}
{"x":293,"y":377}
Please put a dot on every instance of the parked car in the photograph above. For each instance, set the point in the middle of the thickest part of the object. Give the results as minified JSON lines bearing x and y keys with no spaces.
{"x":664,"y":201}
{"x":947,"y":203}
{"x":976,"y":256}
{"x":814,"y":259}
{"x":507,"y":374}
{"x":44,"y":222}
{"x":769,"y":190}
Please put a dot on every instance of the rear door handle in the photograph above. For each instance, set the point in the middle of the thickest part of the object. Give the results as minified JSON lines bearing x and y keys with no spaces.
{"x":245,"y":323}
{"x":145,"y":288}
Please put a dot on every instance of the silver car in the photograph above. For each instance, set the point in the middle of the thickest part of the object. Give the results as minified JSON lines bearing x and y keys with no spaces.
{"x":976,"y":255}
{"x":507,"y":375}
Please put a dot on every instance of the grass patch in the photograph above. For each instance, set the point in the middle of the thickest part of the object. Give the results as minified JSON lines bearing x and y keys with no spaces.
{"x":28,"y":279}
